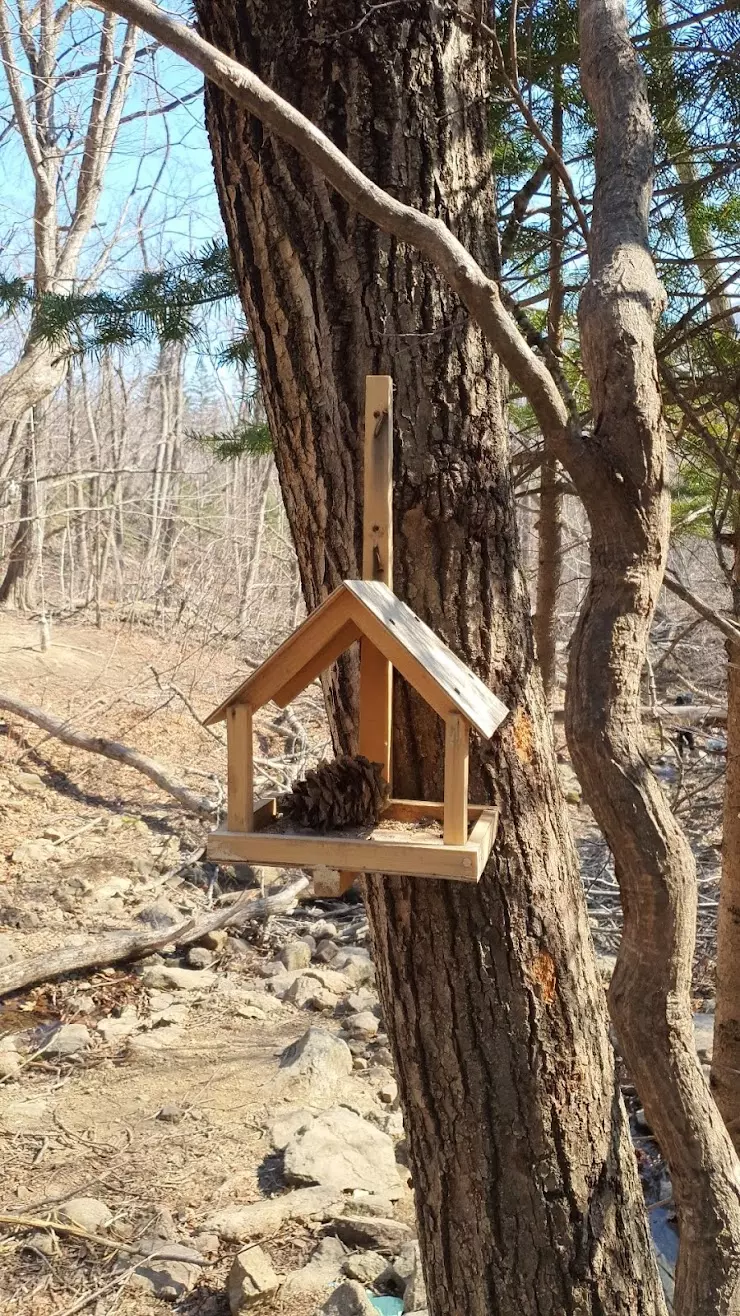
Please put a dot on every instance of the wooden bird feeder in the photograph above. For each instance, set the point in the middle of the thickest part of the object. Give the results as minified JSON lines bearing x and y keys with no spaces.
{"x":390,"y":636}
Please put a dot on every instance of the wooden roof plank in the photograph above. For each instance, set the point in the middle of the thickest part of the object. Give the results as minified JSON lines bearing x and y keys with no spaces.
{"x":369,"y":607}
{"x":294,"y":653}
{"x":317,"y":664}
{"x":419,"y":655}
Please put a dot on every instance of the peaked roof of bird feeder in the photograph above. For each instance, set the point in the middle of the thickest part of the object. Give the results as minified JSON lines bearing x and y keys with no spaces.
{"x":369,"y":608}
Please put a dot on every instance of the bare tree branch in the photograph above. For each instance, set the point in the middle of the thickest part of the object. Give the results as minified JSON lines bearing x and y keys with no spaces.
{"x":703,"y":609}
{"x":110,"y":749}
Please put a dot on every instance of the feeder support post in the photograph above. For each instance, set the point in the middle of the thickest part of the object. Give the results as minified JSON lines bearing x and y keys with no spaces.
{"x":376,"y":673}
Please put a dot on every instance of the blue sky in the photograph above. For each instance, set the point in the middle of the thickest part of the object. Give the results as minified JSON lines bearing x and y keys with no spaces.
{"x":161,"y":163}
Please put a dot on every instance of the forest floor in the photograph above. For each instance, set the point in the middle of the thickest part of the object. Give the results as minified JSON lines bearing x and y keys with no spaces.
{"x":165,"y":1112}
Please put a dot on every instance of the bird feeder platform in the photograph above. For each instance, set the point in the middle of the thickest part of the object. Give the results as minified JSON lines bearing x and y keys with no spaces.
{"x":380,"y":850}
{"x":390,"y":636}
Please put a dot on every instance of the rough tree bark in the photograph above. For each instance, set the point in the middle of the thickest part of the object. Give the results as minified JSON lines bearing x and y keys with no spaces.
{"x":725,"y":1077}
{"x":550,"y":530}
{"x":526,"y":1189}
{"x":650,"y":991}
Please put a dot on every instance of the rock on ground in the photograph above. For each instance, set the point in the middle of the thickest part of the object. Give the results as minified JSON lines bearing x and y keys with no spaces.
{"x":161,"y":976}
{"x":342,"y":1150}
{"x":306,"y":992}
{"x":10,"y":1061}
{"x":113,"y":1028}
{"x":199,"y":957}
{"x":282,"y":1128}
{"x":295,"y":955}
{"x":348,"y":1299}
{"x":320,"y":1272}
{"x":381,"y":1234}
{"x":159,"y":914}
{"x":87,"y":1212}
{"x":355,"y":963}
{"x":317,"y":1065}
{"x":236,"y":1224}
{"x":251,"y":1277}
{"x":363,"y":1026}
{"x":67,"y":1040}
{"x":164,"y":1279}
{"x":365,"y":1267}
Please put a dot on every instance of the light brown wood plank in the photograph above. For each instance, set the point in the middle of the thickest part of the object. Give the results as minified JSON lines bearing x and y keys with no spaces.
{"x":457,"y":737}
{"x":380,"y":854}
{"x":281,"y":667}
{"x":318,"y":663}
{"x":422,"y":658}
{"x":483,"y":834}
{"x":376,"y":694}
{"x":417,"y":810}
{"x":240,"y":768}
{"x":377,"y":517}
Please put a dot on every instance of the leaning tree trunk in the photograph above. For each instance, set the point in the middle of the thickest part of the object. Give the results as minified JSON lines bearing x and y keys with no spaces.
{"x":526,"y":1189}
{"x":725,"y":1079}
{"x":629,"y":515}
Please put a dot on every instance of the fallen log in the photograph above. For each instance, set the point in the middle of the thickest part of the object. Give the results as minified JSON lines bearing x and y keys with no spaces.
{"x":131,"y":944}
{"x":685,"y":713}
{"x":111,"y":749}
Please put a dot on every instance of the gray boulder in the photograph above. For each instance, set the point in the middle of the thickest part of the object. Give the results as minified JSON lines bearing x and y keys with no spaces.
{"x":348,"y":1299}
{"x":381,"y":1234}
{"x":342,"y":1150}
{"x":88,"y":1213}
{"x":251,"y":1277}
{"x":316,"y":1065}
{"x":355,"y":963}
{"x":159,"y":914}
{"x":67,"y":1040}
{"x":236,"y":1224}
{"x":365,"y":1267}
{"x":295,"y":955}
{"x":162,"y":977}
{"x":363,"y":1027}
{"x":320,"y":1272}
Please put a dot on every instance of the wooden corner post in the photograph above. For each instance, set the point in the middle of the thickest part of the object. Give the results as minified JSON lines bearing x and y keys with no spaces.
{"x":240,"y":768}
{"x":457,"y":737}
{"x":376,"y":673}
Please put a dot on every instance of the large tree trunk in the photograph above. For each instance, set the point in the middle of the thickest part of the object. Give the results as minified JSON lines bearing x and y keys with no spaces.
{"x":20,"y":549}
{"x":525,"y":1181}
{"x":650,"y":991}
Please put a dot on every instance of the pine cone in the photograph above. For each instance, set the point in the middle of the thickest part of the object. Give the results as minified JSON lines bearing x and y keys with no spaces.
{"x":347,"y":792}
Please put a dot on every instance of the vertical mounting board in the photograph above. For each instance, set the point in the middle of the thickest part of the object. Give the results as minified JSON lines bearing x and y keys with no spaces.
{"x":376,"y":673}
